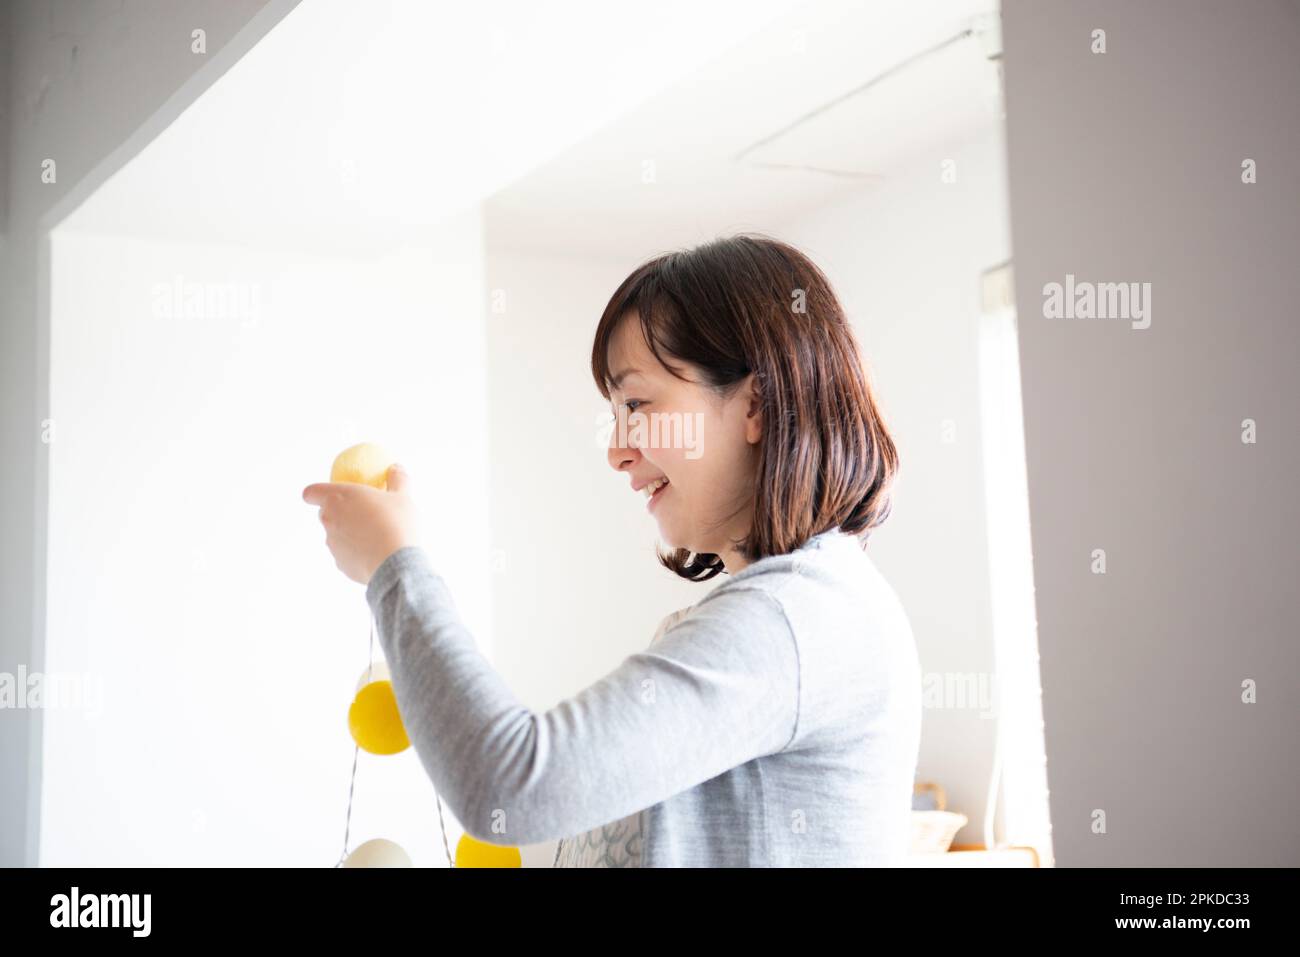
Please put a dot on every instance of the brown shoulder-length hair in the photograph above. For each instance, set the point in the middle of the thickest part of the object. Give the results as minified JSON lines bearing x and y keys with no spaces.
{"x":750,"y":303}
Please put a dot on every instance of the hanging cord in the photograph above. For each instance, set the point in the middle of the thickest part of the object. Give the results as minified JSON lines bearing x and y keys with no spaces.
{"x":356,"y":752}
{"x":445,"y":846}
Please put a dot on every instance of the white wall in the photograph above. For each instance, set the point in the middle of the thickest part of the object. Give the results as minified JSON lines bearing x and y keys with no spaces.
{"x":188,"y":578}
{"x":1127,"y":167}
{"x":79,"y":84}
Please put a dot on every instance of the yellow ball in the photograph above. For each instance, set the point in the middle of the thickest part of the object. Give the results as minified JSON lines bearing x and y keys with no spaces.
{"x":375,"y":722}
{"x":364,"y":464}
{"x":378,"y":853}
{"x":471,"y":852}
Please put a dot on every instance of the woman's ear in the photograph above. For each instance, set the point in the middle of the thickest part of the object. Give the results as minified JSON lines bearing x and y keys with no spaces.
{"x":754,"y":410}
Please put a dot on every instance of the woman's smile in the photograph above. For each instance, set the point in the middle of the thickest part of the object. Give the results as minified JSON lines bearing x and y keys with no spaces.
{"x":656,"y":495}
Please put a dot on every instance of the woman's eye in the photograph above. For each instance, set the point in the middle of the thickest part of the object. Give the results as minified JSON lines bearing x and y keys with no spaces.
{"x":631,"y":402}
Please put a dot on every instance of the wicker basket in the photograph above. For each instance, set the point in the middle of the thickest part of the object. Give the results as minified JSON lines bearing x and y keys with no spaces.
{"x":933,"y":831}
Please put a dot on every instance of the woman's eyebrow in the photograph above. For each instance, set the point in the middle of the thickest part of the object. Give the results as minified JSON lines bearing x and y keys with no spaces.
{"x":617,"y":380}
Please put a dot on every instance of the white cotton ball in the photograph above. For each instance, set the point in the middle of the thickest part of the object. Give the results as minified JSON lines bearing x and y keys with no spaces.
{"x":378,"y":853}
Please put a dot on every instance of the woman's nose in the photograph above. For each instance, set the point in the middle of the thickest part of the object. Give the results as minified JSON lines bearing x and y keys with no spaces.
{"x":621,"y":460}
{"x":621,"y":453}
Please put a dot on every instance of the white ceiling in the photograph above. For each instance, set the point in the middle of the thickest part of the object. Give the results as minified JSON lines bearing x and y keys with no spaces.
{"x":733,"y":145}
{"x":352,"y":123}
{"x":355,"y":125}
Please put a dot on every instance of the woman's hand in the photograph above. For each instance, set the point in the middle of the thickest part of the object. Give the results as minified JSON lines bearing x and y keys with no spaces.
{"x":364,"y":525}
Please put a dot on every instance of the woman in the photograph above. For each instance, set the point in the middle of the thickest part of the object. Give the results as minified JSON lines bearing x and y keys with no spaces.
{"x":776,"y":722}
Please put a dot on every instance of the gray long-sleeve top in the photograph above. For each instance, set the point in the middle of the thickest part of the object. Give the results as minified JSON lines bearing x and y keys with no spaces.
{"x":776,"y":722}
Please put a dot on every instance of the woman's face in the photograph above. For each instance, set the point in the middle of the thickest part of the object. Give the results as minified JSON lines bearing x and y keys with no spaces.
{"x":704,"y":445}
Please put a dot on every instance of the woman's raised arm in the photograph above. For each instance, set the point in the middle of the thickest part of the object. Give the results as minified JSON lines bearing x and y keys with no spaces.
{"x":717,"y":689}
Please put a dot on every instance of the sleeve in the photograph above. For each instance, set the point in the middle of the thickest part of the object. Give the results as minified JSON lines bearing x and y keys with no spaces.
{"x":718,"y":688}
